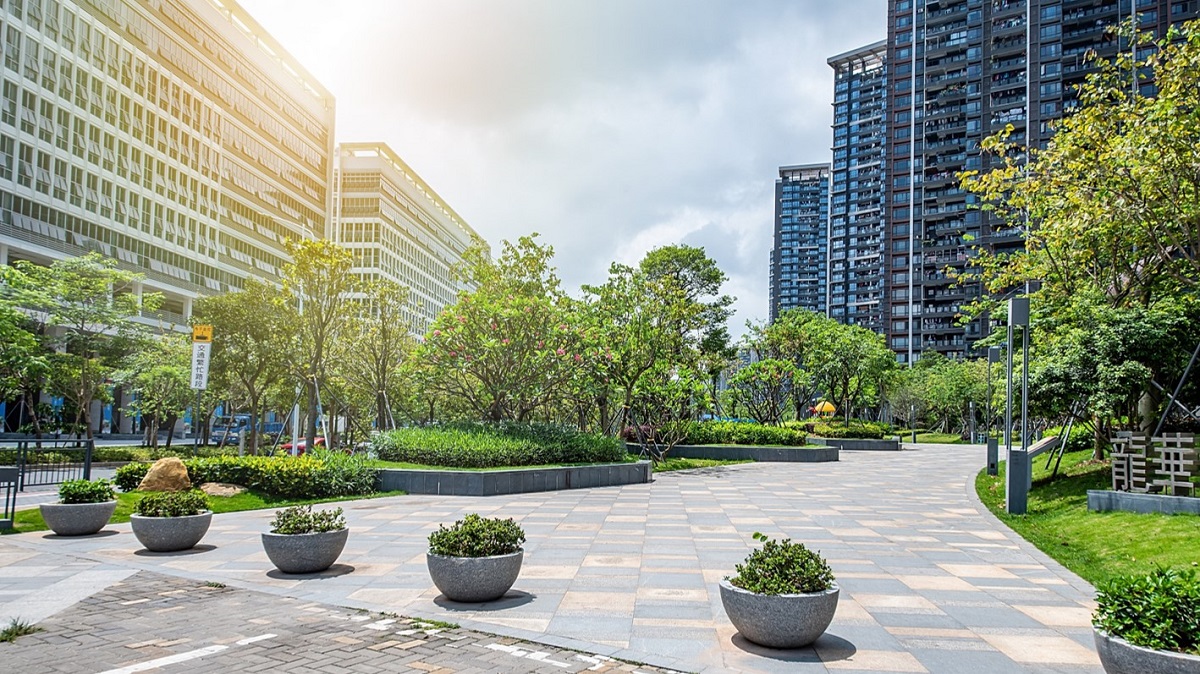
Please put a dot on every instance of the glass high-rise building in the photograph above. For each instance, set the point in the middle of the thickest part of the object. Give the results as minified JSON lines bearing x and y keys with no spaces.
{"x":959,"y":71}
{"x":856,"y":224}
{"x":175,"y":136}
{"x":799,"y":263}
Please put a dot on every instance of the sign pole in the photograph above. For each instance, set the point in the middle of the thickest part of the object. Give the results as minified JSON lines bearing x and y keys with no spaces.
{"x":201,"y":352}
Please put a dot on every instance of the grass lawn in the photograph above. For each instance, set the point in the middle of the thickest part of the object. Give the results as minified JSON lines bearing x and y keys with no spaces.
{"x":1096,"y":546}
{"x":668,"y":465}
{"x":31,"y":519}
{"x":935,"y":438}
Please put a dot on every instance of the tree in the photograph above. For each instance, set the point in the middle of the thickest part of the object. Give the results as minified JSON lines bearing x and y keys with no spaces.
{"x":317,"y":282}
{"x":1113,"y":199}
{"x":789,"y":338}
{"x":252,"y":338}
{"x":1113,"y":203}
{"x":685,"y":278}
{"x":87,"y":305}
{"x":845,"y":360}
{"x":765,"y":388}
{"x":381,"y":345}
{"x":159,"y":372}
{"x":508,"y":347}
{"x":24,"y":362}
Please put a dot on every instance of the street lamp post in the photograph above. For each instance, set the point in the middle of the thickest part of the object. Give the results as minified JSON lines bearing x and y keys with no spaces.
{"x":1018,"y":474}
{"x":993,"y":445}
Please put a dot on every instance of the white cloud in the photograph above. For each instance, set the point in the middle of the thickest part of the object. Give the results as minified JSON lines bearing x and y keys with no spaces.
{"x":610,"y":128}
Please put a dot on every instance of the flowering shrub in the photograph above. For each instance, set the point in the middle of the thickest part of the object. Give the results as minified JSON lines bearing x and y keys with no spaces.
{"x":314,"y":475}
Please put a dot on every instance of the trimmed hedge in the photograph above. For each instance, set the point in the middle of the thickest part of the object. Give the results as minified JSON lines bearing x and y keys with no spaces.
{"x":857,"y":430}
{"x":474,"y":445}
{"x":738,"y":433}
{"x":317,"y":474}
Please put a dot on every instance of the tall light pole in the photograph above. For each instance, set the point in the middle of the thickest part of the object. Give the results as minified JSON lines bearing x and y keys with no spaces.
{"x":1018,"y":474}
{"x":993,"y":450}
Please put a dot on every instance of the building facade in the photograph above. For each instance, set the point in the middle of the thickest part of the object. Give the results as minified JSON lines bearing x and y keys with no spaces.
{"x":398,"y":228}
{"x":959,"y":71}
{"x":856,"y":224}
{"x":174,"y":136}
{"x":799,"y":262}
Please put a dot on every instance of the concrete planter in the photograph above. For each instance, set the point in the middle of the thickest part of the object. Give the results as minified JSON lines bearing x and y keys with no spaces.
{"x":304,"y":553}
{"x":859,"y":444}
{"x":77,"y":519}
{"x":170,"y":534}
{"x":807,"y":454}
{"x":1121,"y":657}
{"x":781,"y":620}
{"x":474,"y":579}
{"x":512,"y":480}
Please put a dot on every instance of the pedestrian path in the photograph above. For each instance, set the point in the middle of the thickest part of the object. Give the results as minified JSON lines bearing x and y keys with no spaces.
{"x":930,"y":582}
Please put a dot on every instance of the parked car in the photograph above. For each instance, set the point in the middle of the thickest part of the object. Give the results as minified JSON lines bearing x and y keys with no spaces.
{"x":297,"y":448}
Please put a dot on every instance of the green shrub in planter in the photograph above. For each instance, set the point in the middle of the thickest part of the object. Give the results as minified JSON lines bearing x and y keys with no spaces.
{"x":1159,"y":611}
{"x":476,"y":445}
{"x":302,"y":520}
{"x":85,"y":491}
{"x":735,"y":433}
{"x":782,"y":567}
{"x":172,"y":504}
{"x":475,"y":536}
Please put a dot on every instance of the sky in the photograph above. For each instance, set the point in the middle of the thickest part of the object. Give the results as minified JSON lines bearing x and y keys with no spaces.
{"x":608,"y":127}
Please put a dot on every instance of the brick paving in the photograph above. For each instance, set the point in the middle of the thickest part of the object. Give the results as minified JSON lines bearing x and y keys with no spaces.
{"x":151,"y":619}
{"x":930,"y":581}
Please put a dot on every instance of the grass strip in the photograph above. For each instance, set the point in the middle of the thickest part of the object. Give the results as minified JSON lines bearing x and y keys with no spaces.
{"x":1095,"y":546}
{"x":29,"y":520}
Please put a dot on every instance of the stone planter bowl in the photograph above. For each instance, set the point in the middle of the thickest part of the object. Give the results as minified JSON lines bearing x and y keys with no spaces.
{"x":170,"y":534}
{"x":77,"y":519}
{"x":304,"y":553}
{"x":474,"y":579}
{"x":780,"y":620}
{"x":1121,"y":657}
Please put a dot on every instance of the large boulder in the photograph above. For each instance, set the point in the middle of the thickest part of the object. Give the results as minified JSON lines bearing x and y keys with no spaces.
{"x":167,"y":474}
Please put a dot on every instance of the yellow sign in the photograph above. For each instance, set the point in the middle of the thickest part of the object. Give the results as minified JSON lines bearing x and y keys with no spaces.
{"x":201,"y":333}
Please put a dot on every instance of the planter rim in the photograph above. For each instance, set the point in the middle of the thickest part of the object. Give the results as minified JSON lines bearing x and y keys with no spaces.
{"x":833,"y":589}
{"x":510,"y":554}
{"x":1124,"y":642}
{"x":202,"y":513}
{"x":60,"y":503}
{"x":310,"y":533}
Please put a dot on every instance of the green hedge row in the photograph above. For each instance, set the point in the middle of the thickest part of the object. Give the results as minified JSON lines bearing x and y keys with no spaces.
{"x":474,"y":445}
{"x":315,"y":475}
{"x":737,"y":433}
{"x":828,"y":428}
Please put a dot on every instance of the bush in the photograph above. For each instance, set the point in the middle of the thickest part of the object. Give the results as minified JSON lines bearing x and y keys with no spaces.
{"x":473,"y":445}
{"x":129,"y":476}
{"x":315,"y":475}
{"x":737,"y":433}
{"x":782,"y":567}
{"x":83,"y":491}
{"x":112,"y":454}
{"x":475,"y":536}
{"x":1081,"y":440}
{"x":832,"y":428}
{"x":1160,"y":611}
{"x":172,"y":504}
{"x":302,"y":520}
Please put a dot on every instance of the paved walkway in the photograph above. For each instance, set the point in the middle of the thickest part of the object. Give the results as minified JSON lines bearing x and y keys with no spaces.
{"x":930,"y":582}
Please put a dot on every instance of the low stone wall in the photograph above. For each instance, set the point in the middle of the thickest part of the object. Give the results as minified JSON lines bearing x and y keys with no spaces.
{"x":511,"y":481}
{"x":892,"y":445}
{"x":1102,"y":501}
{"x":751,"y":452}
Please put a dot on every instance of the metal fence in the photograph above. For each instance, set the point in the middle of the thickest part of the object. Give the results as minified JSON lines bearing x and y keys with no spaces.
{"x":8,"y":492}
{"x":41,"y":462}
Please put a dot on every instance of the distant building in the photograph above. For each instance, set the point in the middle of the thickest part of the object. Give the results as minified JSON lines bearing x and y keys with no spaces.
{"x":856,"y":224}
{"x":397,"y":227}
{"x":174,"y":136}
{"x":799,"y":265}
{"x":959,"y":71}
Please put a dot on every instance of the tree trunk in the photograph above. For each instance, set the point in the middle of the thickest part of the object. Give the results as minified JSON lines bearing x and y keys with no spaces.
{"x":171,"y":419}
{"x":310,"y":424}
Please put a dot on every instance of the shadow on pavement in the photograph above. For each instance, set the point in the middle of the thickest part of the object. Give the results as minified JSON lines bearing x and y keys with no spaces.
{"x":198,"y":550}
{"x":512,"y":599}
{"x":332,"y":572}
{"x":833,"y":647}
